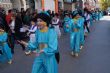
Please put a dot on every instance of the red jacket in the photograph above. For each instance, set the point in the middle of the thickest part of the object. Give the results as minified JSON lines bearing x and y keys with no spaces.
{"x":8,"y":18}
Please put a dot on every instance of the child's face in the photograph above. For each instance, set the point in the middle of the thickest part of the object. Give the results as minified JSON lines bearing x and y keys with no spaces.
{"x":32,"y":22}
{"x":66,"y":16}
{"x":1,"y":30}
{"x":12,"y":18}
{"x":77,"y":16}
{"x":41,"y":23}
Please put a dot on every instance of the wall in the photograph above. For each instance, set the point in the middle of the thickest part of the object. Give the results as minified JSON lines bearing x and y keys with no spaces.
{"x":38,"y":5}
{"x":16,"y":4}
{"x":49,"y":5}
{"x":73,"y":6}
{"x":67,"y":6}
{"x":6,"y":4}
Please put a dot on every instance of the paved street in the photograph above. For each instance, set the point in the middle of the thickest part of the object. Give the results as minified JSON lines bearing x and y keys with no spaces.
{"x":94,"y":58}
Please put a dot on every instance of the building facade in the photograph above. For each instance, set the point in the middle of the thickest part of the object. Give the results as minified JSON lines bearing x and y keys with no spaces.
{"x":91,"y":4}
{"x":6,"y":4}
{"x":36,"y":4}
{"x":18,"y":4}
{"x":60,"y":4}
{"x":53,"y":5}
{"x":69,"y":5}
{"x":97,"y":3}
{"x":79,"y":4}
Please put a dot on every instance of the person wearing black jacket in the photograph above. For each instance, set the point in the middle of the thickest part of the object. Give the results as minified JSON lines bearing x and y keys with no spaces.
{"x":15,"y":35}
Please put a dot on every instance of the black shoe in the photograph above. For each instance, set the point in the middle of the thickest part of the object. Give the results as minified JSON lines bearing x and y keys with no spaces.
{"x":1,"y":52}
{"x":12,"y":52}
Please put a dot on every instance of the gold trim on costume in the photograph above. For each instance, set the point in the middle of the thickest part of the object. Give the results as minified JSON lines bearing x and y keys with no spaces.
{"x":75,"y":29}
{"x":1,"y":33}
{"x":42,"y":46}
{"x":44,"y":30}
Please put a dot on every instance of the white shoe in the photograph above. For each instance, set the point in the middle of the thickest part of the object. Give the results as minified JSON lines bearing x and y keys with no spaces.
{"x":86,"y":33}
{"x":34,"y":51}
{"x":72,"y":53}
{"x":81,"y":47}
{"x":28,"y":53}
{"x":76,"y":54}
{"x":10,"y":62}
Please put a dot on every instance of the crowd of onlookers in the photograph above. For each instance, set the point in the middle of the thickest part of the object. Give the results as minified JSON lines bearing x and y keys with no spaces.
{"x":21,"y":24}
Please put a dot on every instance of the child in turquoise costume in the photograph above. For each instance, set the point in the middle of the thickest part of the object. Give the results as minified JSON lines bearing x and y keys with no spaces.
{"x":97,"y":15}
{"x":94,"y":15}
{"x":67,"y":22}
{"x":46,"y":46}
{"x":75,"y":35}
{"x":91,"y":19}
{"x":6,"y":51}
{"x":101,"y":14}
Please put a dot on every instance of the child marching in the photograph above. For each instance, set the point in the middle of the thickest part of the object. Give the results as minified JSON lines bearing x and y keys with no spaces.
{"x":6,"y":51}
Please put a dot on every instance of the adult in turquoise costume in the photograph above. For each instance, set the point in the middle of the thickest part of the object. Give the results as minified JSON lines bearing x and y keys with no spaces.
{"x":93,"y":15}
{"x":6,"y":51}
{"x":46,"y":46}
{"x":75,"y":34}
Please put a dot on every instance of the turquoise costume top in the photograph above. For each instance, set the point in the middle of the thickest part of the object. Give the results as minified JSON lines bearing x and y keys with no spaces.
{"x":47,"y":38}
{"x":76,"y":26}
{"x":79,"y":21}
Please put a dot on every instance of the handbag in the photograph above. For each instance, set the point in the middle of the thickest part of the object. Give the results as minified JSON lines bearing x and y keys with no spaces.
{"x":57,"y":56}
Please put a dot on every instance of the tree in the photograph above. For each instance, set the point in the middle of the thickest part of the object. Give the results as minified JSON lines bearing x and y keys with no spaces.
{"x":104,"y":4}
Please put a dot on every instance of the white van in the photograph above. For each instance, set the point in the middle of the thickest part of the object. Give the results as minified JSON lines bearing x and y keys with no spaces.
{"x":108,"y":10}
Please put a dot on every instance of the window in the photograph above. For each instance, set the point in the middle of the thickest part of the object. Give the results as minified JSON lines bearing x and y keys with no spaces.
{"x":70,"y":1}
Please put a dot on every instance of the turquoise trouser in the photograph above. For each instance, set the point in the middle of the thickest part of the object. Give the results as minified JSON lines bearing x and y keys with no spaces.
{"x":45,"y":64}
{"x":82,"y":36}
{"x":7,"y":55}
{"x":75,"y":41}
